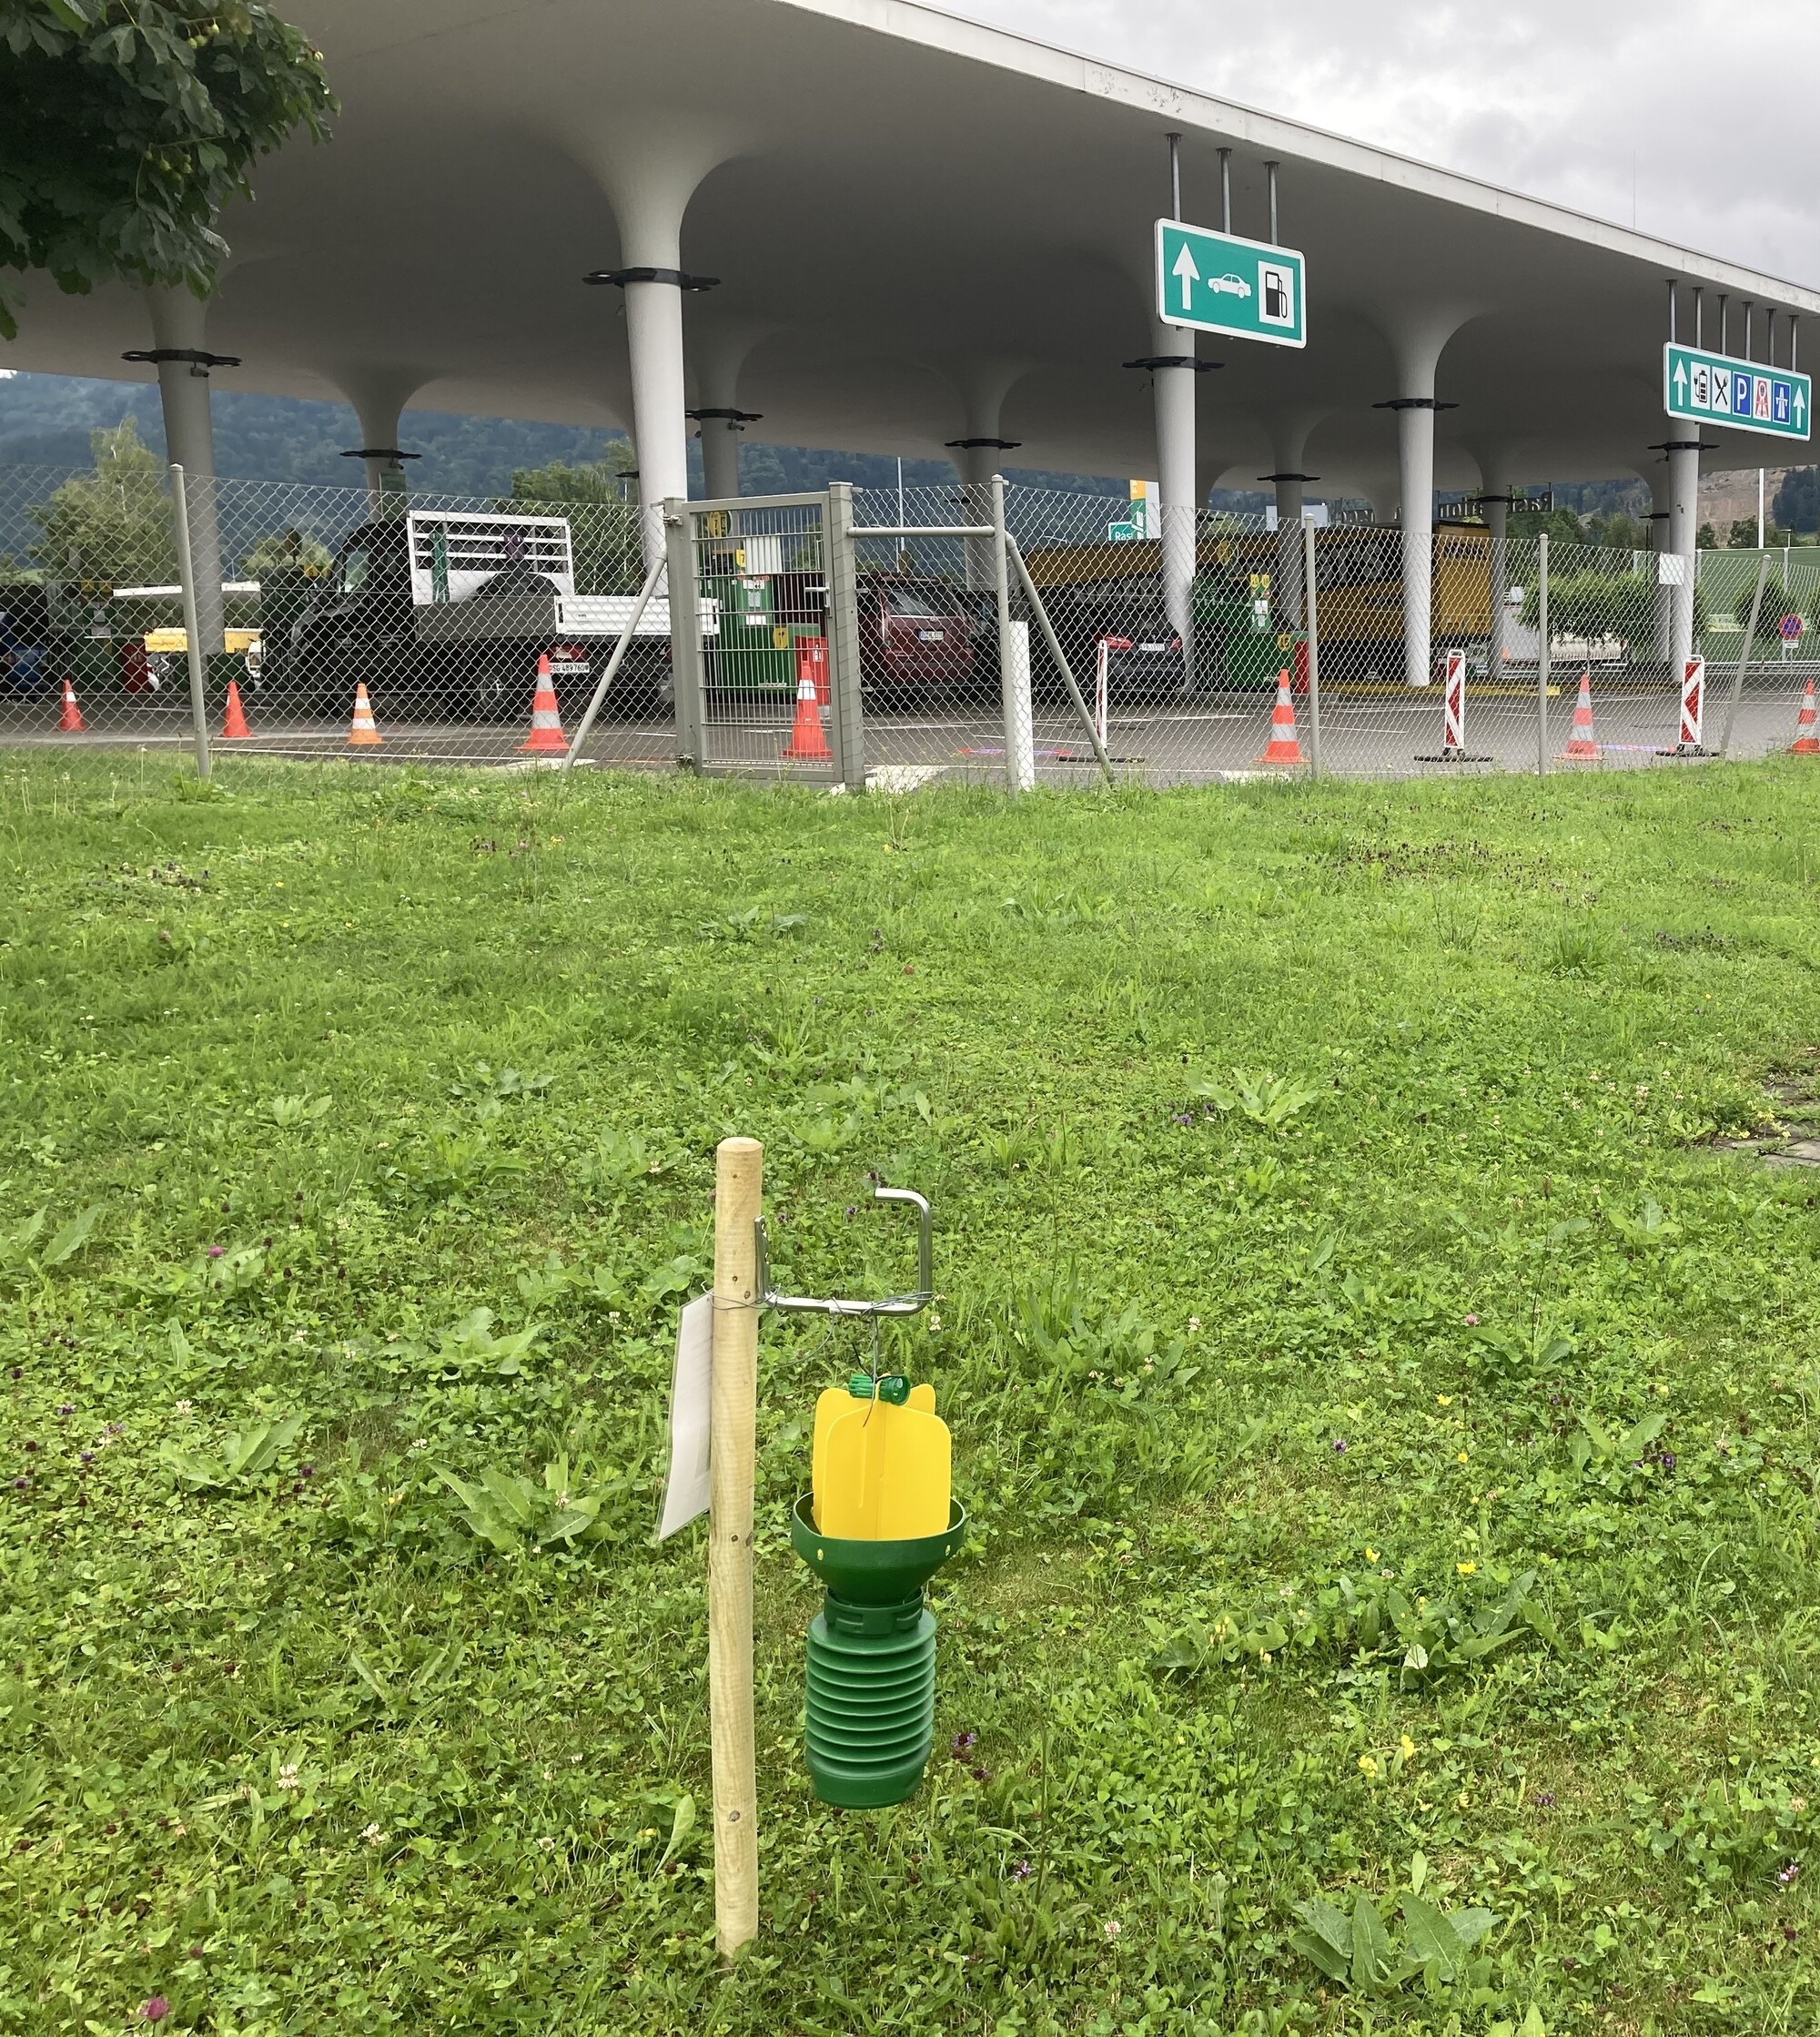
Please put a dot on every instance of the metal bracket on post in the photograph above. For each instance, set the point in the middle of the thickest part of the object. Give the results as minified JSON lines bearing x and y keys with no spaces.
{"x":841,"y":612}
{"x":192,"y":626}
{"x":912,"y":1303}
{"x":688,"y":675}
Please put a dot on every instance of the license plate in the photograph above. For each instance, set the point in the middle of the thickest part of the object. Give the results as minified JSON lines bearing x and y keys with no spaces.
{"x":1153,"y":646}
{"x":932,"y":636}
{"x":559,"y":665}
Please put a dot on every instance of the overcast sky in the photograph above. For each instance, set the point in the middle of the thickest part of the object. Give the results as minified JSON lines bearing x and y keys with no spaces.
{"x":1701,"y":114}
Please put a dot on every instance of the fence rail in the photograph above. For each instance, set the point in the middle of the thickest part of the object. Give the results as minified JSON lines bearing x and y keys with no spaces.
{"x":1004,"y":634}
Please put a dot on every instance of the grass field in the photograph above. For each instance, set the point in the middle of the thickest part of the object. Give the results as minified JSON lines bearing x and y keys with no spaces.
{"x":1386,"y":1412}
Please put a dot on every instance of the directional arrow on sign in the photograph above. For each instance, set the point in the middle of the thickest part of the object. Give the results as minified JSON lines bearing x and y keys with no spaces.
{"x":1800,"y":406}
{"x":1188,"y":276}
{"x":1679,"y":380}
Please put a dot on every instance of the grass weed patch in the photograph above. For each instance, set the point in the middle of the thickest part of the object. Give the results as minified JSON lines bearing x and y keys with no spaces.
{"x":1385,"y":1414}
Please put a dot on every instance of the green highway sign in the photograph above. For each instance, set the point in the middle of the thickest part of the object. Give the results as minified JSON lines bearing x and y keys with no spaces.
{"x":1216,"y":282}
{"x":1744,"y":395}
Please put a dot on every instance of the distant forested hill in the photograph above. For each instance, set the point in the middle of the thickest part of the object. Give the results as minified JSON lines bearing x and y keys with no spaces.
{"x":46,"y":420}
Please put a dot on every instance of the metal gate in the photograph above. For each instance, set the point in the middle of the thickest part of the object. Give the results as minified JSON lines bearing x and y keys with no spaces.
{"x":766,"y":659}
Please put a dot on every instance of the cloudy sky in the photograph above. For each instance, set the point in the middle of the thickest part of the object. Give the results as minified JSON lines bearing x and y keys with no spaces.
{"x":1694,"y":118}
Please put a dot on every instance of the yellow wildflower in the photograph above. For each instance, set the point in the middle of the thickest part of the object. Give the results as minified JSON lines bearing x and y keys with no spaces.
{"x":1367,"y":1768}
{"x":1466,"y":1569}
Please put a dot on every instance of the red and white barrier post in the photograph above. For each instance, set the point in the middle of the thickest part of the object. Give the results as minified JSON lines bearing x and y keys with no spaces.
{"x":1454,"y":715}
{"x":1692,"y":707}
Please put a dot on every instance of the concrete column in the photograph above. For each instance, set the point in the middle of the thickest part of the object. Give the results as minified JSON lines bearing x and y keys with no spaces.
{"x":1289,"y":449}
{"x":979,"y":453}
{"x":1415,"y":469}
{"x":1684,"y":511}
{"x":650,"y":163}
{"x":1417,"y":344}
{"x":178,"y":324}
{"x":718,"y":348}
{"x":379,"y":396}
{"x":1178,"y":483}
{"x":1660,"y":518}
{"x":721,"y":450}
{"x":1498,"y":523}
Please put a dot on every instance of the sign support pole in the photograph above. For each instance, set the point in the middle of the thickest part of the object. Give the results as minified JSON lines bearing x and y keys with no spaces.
{"x":739,"y":1181}
{"x":1311,"y":609}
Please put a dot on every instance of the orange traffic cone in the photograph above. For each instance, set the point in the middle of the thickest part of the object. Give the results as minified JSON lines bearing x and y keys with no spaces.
{"x":1581,"y":746}
{"x":546,"y":738}
{"x":234,"y":727}
{"x":1284,"y":746}
{"x":808,"y":743}
{"x":362,"y":734}
{"x":1805,"y":743}
{"x":72,"y":722}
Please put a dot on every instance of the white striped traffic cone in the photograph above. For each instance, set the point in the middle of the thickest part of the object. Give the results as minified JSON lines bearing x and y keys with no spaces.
{"x":1805,"y":743}
{"x":1581,"y":746}
{"x":546,"y":738}
{"x":1284,"y":746}
{"x":361,"y":733}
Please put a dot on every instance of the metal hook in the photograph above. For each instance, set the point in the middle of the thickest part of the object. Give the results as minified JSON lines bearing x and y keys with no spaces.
{"x":892,"y":1304}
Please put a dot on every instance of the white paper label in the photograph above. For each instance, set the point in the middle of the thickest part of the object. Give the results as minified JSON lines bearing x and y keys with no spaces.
{"x":685,"y":1490}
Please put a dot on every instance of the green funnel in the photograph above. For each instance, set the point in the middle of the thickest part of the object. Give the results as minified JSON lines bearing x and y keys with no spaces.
{"x":872,"y":1660}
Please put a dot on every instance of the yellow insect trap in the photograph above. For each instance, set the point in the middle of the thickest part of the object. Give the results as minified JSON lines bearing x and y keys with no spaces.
{"x":879,"y":1520}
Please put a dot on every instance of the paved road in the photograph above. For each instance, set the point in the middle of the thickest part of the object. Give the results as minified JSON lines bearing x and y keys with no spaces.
{"x":1385,"y":735}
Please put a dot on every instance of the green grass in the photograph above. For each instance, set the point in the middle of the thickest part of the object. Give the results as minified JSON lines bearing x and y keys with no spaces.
{"x":1237,"y":1108}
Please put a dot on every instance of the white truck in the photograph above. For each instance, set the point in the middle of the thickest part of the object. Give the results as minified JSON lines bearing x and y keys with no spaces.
{"x":444,"y":613}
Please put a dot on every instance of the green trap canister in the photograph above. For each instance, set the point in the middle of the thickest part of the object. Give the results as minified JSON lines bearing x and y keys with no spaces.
{"x":872,"y":1661}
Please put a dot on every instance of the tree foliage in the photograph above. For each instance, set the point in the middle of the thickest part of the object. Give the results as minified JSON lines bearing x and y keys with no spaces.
{"x":112,"y":526}
{"x":130,"y":124}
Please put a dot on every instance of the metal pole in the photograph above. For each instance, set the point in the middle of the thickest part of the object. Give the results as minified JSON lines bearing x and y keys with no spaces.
{"x":1311,"y":609}
{"x":1270,"y":170}
{"x":192,"y":627}
{"x":1226,"y":190}
{"x":1671,"y":307}
{"x":1007,"y":676}
{"x":1698,"y":323}
{"x":1743,"y":658}
{"x":1047,"y":628}
{"x":1541,"y":655}
{"x":1176,"y":177}
{"x":840,"y":573}
{"x":614,"y":662}
{"x":1724,"y":321}
{"x":738,"y":1178}
{"x":688,"y":668}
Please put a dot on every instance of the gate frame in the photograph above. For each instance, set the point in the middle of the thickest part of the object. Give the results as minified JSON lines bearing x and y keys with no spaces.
{"x":688,"y":662}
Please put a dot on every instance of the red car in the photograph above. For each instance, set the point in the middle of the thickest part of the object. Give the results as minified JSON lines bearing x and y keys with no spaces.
{"x":914,"y":636}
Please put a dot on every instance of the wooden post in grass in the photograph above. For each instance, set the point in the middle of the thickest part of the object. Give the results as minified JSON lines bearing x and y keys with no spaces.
{"x":738,"y":1175}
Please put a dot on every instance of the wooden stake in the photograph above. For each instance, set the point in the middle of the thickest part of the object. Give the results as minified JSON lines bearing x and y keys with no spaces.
{"x":739,"y":1178}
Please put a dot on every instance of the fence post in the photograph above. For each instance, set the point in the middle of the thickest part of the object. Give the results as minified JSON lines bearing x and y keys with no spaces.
{"x":1542,"y":654}
{"x":1311,"y":610}
{"x":840,"y":614}
{"x":1744,"y":653}
{"x":739,"y":1181}
{"x":192,"y":626}
{"x":1015,"y":781}
{"x":688,"y":678}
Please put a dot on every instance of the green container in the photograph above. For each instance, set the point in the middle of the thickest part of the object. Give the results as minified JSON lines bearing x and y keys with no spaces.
{"x":752,"y":653}
{"x":872,"y":1661}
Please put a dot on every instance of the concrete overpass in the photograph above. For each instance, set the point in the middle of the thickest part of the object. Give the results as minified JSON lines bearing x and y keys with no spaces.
{"x":925,"y":235}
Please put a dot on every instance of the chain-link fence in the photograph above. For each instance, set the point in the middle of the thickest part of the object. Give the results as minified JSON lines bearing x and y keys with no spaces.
{"x":868,"y":636}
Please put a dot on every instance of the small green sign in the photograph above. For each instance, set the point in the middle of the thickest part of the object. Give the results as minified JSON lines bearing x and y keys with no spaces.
{"x":1216,"y":282}
{"x":1741,"y":395}
{"x":1123,"y":533}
